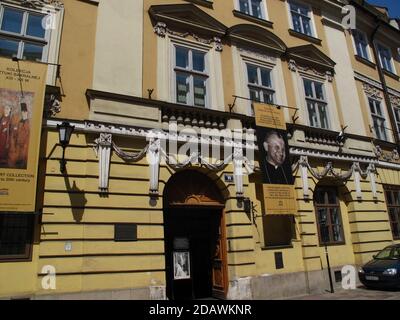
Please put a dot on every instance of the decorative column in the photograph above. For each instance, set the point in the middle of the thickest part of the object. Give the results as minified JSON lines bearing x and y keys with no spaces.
{"x":304,"y":175}
{"x":357,"y":180}
{"x":104,"y":144}
{"x":154,"y":165}
{"x":238,"y":170}
{"x":371,"y":173}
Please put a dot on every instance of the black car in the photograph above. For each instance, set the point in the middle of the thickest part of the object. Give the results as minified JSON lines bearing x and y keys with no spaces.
{"x":384,"y":270}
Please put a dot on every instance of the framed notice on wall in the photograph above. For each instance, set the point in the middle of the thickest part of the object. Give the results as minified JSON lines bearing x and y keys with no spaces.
{"x":181,"y":265}
{"x":278,"y":180}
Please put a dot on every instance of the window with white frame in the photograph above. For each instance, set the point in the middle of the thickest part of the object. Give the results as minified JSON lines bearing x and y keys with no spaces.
{"x":378,"y":119}
{"x":22,"y":34}
{"x":317,"y":106}
{"x":301,"y":18}
{"x":361,"y":44}
{"x":191,"y":76}
{"x":260,"y":85}
{"x":252,"y":8}
{"x":385,"y":57}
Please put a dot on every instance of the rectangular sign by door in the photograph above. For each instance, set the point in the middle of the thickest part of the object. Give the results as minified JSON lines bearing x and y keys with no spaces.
{"x":22,"y":89}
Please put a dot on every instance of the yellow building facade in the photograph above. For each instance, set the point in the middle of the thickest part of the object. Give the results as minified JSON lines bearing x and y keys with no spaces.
{"x":160,"y":93}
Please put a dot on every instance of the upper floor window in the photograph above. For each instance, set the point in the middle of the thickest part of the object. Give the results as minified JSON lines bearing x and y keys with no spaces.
{"x":252,"y":7}
{"x":22,"y":34}
{"x":329,"y":220}
{"x":317,"y":105}
{"x":301,"y":18}
{"x":396,"y":110}
{"x":361,"y":43}
{"x":385,"y":56}
{"x":191,"y":76}
{"x":260,"y":84}
{"x":393,"y":206}
{"x":378,"y":119}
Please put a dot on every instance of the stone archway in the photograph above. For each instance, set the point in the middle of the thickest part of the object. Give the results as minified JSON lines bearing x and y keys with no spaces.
{"x":195,"y":227}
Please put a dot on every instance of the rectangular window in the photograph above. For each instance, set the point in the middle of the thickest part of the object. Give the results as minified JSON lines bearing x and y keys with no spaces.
{"x":378,"y":119}
{"x":385,"y":57}
{"x":316,"y":104}
{"x":361,"y":43}
{"x":327,"y":209}
{"x":260,"y":86}
{"x":16,"y":233}
{"x":301,"y":18}
{"x":252,"y":8}
{"x":396,"y":110}
{"x":191,"y":76}
{"x":22,"y":34}
{"x":393,"y":205}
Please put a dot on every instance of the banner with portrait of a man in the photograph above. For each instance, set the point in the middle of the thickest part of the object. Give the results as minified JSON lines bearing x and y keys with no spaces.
{"x":278,"y":180}
{"x":22,"y":88}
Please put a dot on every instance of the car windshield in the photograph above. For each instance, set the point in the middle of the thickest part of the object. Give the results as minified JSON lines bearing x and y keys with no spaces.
{"x":391,"y":253}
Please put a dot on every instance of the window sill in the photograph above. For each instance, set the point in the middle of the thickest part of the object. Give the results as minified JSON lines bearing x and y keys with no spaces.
{"x":365,"y":61}
{"x":204,"y":3}
{"x":8,"y":259}
{"x":289,"y":246}
{"x":250,"y":18}
{"x":391,"y":74}
{"x":305,"y":37}
{"x":332,"y":244}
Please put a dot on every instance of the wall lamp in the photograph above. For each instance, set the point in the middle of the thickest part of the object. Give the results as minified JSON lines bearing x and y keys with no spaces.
{"x":64,"y":134}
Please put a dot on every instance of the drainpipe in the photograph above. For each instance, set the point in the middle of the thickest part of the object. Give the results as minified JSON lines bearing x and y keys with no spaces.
{"x":384,"y":85}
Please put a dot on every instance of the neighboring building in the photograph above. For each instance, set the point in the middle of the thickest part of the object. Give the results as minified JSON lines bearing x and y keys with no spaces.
{"x":119,"y":70}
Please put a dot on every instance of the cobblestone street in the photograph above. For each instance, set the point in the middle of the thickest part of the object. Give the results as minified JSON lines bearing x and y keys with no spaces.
{"x":361,"y":293}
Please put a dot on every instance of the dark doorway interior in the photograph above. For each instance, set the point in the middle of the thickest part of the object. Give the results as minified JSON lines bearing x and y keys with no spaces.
{"x":193,"y":230}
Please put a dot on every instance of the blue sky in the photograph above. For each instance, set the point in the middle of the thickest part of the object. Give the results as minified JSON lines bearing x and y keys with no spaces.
{"x":392,"y":5}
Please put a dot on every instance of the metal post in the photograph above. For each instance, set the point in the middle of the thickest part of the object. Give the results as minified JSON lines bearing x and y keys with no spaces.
{"x":329,"y":269}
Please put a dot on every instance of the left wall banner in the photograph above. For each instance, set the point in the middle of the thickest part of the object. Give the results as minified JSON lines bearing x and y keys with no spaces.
{"x":22,"y":90}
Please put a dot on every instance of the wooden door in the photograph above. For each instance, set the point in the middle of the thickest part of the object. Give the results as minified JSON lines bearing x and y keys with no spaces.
{"x":219,"y":263}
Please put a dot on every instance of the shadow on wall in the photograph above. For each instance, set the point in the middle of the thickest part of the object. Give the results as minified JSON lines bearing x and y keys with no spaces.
{"x":77,"y":198}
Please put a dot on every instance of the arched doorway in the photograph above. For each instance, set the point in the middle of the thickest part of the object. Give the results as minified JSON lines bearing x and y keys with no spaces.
{"x":195,"y":239}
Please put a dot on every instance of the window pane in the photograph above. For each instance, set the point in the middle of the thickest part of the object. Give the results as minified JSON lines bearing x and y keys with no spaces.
{"x":266,"y":78}
{"x":252,"y":74}
{"x":254,"y":95}
{"x":182,"y":57}
{"x":198,"y":61}
{"x":268,"y":97}
{"x":337,"y":233}
{"x":182,"y":88}
{"x":256,"y":8}
{"x":389,"y":198}
{"x":312,"y":114}
{"x":33,"y":52}
{"x":396,"y":197}
{"x":319,"y":92}
{"x":35,"y":27}
{"x":12,"y":20}
{"x":244,"y":6}
{"x":199,"y":92}
{"x":307,"y":26}
{"x":372,"y":106}
{"x":8,"y":48}
{"x":308,"y":88}
{"x":323,"y":116}
{"x":296,"y":22}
